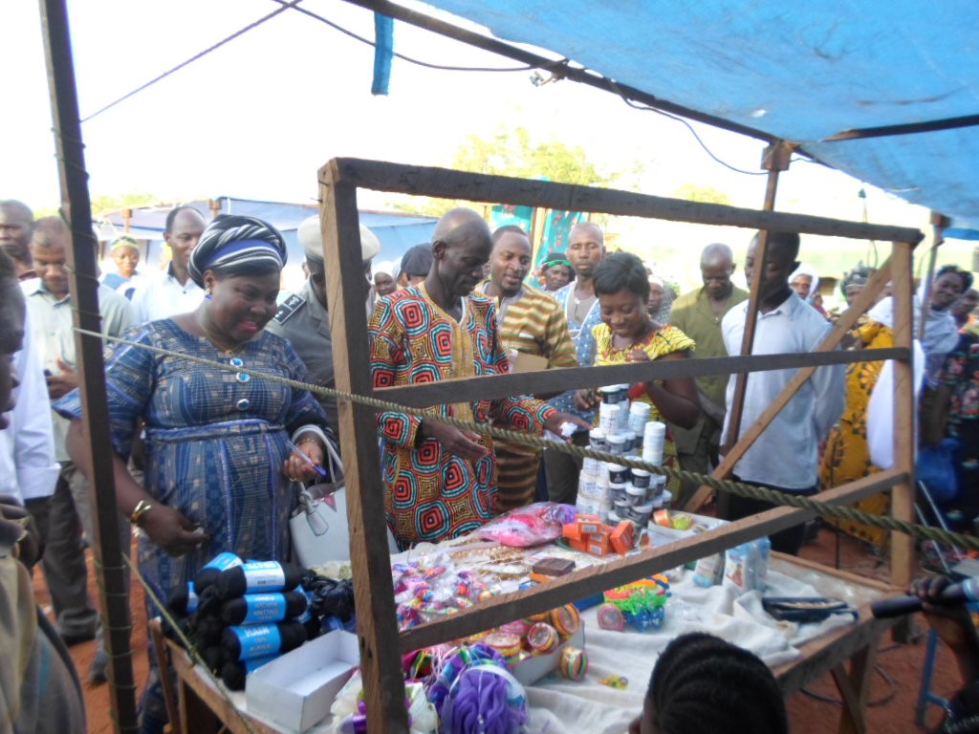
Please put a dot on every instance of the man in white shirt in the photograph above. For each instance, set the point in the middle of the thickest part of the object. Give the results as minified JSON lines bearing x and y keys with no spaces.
{"x":39,"y":690}
{"x":28,"y":470}
{"x":785,"y":456}
{"x":175,"y":291}
{"x":63,"y":517}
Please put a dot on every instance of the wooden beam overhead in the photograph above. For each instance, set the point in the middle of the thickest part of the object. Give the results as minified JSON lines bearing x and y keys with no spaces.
{"x":452,"y":184}
{"x":572,"y":378}
{"x":910,"y":128}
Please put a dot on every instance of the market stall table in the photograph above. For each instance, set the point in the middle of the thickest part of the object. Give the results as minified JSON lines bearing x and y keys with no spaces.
{"x":797,"y":653}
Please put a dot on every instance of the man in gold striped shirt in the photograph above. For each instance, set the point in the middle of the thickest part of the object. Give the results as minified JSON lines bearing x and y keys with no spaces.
{"x":530,"y":323}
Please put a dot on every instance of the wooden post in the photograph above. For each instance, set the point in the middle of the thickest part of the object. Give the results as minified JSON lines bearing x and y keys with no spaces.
{"x":938,"y":224}
{"x":854,"y":688}
{"x":339,"y":180}
{"x":902,"y":496}
{"x":77,"y":207}
{"x":536,"y":232}
{"x":775,"y":159}
{"x":377,"y":625}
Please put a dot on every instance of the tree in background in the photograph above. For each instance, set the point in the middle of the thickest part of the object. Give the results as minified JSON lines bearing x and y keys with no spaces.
{"x":704,"y":194}
{"x":513,"y":153}
{"x":105,"y":203}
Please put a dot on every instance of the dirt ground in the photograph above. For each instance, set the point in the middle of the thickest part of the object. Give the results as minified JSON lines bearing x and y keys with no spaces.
{"x":897,"y":682}
{"x":892,"y":701}
{"x":97,"y":697}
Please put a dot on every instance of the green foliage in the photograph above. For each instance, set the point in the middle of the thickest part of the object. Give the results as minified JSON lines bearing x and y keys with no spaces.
{"x":513,"y":153}
{"x":705,"y":194}
{"x":104,"y":203}
{"x":45,"y":211}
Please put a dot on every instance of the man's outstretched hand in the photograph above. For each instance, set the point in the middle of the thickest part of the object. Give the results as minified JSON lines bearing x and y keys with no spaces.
{"x":457,"y":441}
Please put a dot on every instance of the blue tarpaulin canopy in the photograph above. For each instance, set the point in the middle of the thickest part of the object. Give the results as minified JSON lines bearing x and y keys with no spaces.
{"x":801,"y":72}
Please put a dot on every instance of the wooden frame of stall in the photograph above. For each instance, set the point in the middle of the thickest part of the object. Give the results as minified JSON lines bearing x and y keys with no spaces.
{"x":380,"y":640}
{"x":381,"y":644}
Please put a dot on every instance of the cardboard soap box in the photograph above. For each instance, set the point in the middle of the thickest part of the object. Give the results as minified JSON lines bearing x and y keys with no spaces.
{"x":659,"y":535}
{"x":532,"y":669}
{"x":298,"y":689}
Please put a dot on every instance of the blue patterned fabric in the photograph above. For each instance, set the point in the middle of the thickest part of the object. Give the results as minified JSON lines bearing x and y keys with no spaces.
{"x":584,"y":344}
{"x":209,"y":453}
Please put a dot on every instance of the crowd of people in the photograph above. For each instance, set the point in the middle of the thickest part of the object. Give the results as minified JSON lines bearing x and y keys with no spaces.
{"x":208,"y":460}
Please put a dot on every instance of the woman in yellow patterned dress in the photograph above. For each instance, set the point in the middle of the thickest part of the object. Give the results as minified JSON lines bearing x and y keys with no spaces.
{"x":627,"y":334}
{"x":847,"y":455}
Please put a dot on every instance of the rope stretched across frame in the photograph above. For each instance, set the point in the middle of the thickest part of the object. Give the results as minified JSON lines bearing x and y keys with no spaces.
{"x":740,"y":489}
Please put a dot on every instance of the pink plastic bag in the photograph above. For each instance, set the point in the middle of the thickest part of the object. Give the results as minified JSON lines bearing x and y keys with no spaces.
{"x":541,"y":522}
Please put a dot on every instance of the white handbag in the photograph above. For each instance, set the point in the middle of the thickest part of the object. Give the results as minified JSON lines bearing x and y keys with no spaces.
{"x":319,"y":528}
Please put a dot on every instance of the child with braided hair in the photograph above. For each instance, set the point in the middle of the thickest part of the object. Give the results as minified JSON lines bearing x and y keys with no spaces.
{"x":704,"y":685}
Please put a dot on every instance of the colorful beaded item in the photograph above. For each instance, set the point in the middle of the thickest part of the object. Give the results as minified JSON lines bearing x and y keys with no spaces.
{"x":610,"y":617}
{"x":542,"y":638}
{"x":566,"y":620}
{"x":574,"y":663}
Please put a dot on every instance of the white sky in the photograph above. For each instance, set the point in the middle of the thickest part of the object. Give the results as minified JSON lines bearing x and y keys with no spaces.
{"x":257,"y":117}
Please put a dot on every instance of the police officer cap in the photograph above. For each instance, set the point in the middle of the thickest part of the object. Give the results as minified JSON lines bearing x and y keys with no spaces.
{"x":311,"y":239}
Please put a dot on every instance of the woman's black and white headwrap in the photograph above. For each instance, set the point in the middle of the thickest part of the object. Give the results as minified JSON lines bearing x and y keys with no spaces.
{"x":233,"y":240}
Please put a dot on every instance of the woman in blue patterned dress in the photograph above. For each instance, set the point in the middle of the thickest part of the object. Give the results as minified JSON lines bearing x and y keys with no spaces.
{"x":218,"y":468}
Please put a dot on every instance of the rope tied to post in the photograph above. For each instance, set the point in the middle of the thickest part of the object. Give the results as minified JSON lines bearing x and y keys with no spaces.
{"x":740,"y":489}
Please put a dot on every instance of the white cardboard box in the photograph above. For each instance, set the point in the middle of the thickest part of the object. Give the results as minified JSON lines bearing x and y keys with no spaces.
{"x":660,"y":535}
{"x":297,"y":689}
{"x":532,"y":669}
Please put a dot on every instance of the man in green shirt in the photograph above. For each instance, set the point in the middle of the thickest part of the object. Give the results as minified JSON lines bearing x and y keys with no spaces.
{"x":698,"y":314}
